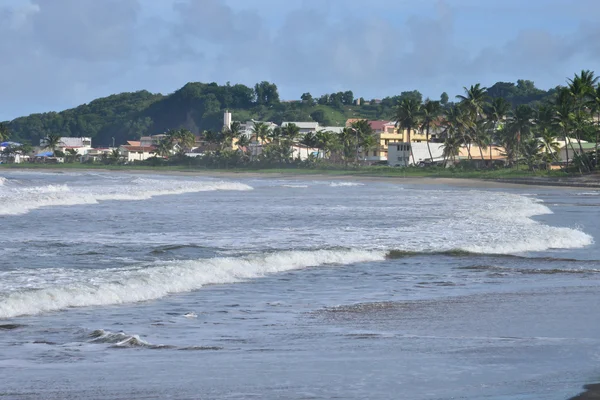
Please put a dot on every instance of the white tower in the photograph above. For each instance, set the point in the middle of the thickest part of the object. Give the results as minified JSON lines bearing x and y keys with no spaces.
{"x":227,"y":119}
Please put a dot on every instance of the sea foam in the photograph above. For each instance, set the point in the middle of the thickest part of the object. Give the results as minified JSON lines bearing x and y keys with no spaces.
{"x":21,"y":200}
{"x":142,"y":284}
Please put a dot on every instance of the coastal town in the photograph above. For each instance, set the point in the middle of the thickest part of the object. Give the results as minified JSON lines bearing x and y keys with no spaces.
{"x":388,"y":144}
{"x":477,"y":131}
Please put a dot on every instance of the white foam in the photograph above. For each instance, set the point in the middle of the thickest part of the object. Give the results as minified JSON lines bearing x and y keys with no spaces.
{"x":2,"y":180}
{"x":24,"y":199}
{"x":345,"y":184}
{"x":107,"y":287}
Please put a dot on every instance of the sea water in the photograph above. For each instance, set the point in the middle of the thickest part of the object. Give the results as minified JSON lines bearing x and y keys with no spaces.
{"x":142,"y":286}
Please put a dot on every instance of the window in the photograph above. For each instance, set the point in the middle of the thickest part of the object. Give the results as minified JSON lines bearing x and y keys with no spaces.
{"x":398,"y":148}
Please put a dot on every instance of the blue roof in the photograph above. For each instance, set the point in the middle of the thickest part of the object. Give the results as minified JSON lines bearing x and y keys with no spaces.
{"x":7,"y":144}
{"x":45,"y":154}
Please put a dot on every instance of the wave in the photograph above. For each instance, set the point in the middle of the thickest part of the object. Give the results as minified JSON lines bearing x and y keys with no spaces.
{"x":2,"y":180}
{"x":345,"y":184}
{"x":22,"y":200}
{"x":123,"y":340}
{"x":142,"y":284}
{"x":530,"y":271}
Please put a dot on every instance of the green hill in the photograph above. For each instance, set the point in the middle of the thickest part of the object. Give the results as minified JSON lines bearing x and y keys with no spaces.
{"x":200,"y":106}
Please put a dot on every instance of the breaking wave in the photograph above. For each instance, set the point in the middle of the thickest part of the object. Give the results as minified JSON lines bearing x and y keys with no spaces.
{"x":122,"y":340}
{"x":142,"y":284}
{"x":22,"y":200}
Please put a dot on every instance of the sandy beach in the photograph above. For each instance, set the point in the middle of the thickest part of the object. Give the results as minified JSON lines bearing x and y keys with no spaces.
{"x":589,"y":182}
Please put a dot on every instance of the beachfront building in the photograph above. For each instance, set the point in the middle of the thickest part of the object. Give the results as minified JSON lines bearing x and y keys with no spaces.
{"x":134,"y":151}
{"x":483,"y":157}
{"x":97,"y":154}
{"x":403,"y":154}
{"x":304,"y":127}
{"x":80,"y":144}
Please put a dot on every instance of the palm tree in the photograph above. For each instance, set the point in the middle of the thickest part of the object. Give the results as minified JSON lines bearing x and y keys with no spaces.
{"x":291,"y":131}
{"x":594,"y":105}
{"x":496,"y":113}
{"x":52,"y":142}
{"x":451,"y":148}
{"x":531,"y":152}
{"x":230,"y":134}
{"x":261,"y":132}
{"x":164,"y":147}
{"x":474,"y":99}
{"x":115,"y":156}
{"x":324,"y":140}
{"x":309,"y":140}
{"x":521,"y":125}
{"x":459,"y":124}
{"x":481,"y":137}
{"x":545,"y":128}
{"x":408,"y":115}
{"x":183,"y":137}
{"x":581,"y":87}
{"x":562,"y":118}
{"x":72,"y":155}
{"x":346,"y":139}
{"x":243,"y":144}
{"x":430,"y":111}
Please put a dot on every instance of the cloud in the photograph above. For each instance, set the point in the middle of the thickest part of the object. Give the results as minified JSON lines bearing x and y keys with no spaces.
{"x":60,"y":53}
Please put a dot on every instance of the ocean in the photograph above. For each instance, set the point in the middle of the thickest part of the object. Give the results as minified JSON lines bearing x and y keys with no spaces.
{"x":147,"y":286}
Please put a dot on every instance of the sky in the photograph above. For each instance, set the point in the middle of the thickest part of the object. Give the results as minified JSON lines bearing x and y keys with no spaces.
{"x":57,"y":54}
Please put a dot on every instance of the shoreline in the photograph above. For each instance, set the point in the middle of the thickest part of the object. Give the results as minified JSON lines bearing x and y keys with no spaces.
{"x":592,"y":392}
{"x":541,"y":182}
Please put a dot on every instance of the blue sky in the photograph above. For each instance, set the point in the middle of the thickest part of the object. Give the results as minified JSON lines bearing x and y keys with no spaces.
{"x":58,"y":54}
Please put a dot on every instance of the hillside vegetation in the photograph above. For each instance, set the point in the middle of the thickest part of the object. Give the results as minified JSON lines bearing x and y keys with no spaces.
{"x":199,"y":107}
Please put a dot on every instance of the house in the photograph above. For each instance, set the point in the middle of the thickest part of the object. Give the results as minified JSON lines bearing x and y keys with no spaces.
{"x":304,"y":127}
{"x":136,"y":153}
{"x":574,"y":149}
{"x":80,"y":144}
{"x":153,"y":140}
{"x":403,"y":154}
{"x":304,"y":152}
{"x":490,"y":152}
{"x":97,"y":154}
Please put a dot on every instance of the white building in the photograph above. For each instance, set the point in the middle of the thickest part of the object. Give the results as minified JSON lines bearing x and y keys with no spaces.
{"x":136,"y":153}
{"x":80,"y":144}
{"x":247,"y":127}
{"x":403,"y":154}
{"x":304,"y":127}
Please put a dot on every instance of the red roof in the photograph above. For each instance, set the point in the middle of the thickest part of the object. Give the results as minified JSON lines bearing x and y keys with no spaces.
{"x":378,"y":125}
{"x":148,"y":149}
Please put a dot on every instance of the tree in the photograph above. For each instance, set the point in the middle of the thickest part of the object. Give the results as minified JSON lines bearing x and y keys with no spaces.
{"x":307,"y":99}
{"x":52,"y":142}
{"x":594,"y":105}
{"x":430,"y":112}
{"x":291,"y":131}
{"x":581,"y":87}
{"x":531,"y":153}
{"x":408,"y":114}
{"x":496,"y":112}
{"x":4,"y":133}
{"x":71,"y":155}
{"x":451,"y":148}
{"x":564,"y":106}
{"x":309,"y":140}
{"x":260,"y":131}
{"x":444,"y":99}
{"x":474,"y":99}
{"x":164,"y":147}
{"x":545,"y":128}
{"x":521,"y":125}
{"x":115,"y":156}
{"x":324,"y":141}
